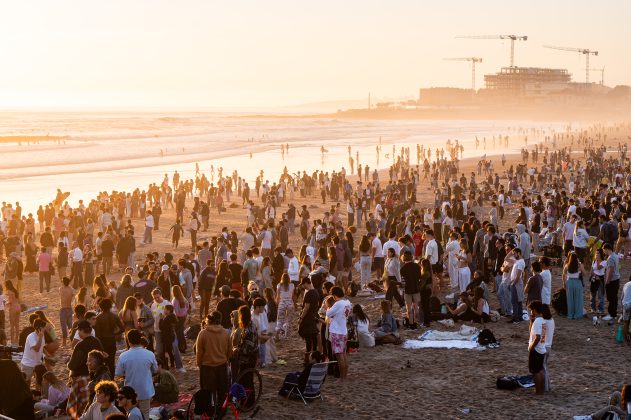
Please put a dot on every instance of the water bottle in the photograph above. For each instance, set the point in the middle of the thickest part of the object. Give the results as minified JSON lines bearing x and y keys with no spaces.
{"x":620,"y":334}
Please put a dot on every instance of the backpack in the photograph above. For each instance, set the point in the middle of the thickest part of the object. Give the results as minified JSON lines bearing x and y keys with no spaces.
{"x":511,"y":383}
{"x":486,"y":337}
{"x":434,"y":304}
{"x":559,"y":302}
{"x":353,"y":288}
{"x":192,"y":331}
{"x":610,"y":232}
{"x":440,"y":251}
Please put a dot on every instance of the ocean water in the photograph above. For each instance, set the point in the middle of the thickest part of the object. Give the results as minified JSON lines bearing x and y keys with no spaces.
{"x":122,"y":151}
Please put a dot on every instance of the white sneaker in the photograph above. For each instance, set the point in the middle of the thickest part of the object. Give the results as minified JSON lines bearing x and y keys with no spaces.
{"x":182,"y":370}
{"x":607,"y":317}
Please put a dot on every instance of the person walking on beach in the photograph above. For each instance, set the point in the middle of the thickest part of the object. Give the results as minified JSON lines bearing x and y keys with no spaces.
{"x":176,"y":232}
{"x":44,"y":261}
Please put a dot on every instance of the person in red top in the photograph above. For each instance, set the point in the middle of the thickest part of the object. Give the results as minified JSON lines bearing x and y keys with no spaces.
{"x":43,"y":262}
{"x":417,"y":239}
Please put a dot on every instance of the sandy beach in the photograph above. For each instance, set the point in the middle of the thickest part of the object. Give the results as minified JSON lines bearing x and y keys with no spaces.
{"x":586,"y":363}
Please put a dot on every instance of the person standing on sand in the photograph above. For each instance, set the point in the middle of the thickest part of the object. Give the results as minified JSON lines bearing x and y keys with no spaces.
{"x":336,"y":317}
{"x":66,"y":293}
{"x":44,"y":260}
{"x":537,"y":346}
{"x":147,"y":237}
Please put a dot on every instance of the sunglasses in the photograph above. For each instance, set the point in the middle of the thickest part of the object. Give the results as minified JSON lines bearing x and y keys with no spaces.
{"x":121,"y":397}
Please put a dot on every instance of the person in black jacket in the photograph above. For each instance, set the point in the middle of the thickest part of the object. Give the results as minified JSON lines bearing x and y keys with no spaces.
{"x":107,"y":327}
{"x":17,"y":399}
{"x":278,"y":265}
{"x":79,"y":373}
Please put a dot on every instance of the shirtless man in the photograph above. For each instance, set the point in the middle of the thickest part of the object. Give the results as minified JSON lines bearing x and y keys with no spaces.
{"x":65,"y":310}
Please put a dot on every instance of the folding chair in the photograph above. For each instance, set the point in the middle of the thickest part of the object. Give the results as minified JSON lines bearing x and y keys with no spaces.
{"x":311,"y":390}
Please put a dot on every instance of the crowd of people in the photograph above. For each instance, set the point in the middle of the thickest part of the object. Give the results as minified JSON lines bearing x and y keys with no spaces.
{"x":485,"y":233}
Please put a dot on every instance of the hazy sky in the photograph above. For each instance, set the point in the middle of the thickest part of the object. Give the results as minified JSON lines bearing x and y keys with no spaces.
{"x":189,"y":53}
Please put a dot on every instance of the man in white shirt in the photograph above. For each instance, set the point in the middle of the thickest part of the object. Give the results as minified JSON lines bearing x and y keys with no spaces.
{"x":266,"y":242}
{"x":336,"y":316}
{"x":392,"y":243}
{"x":517,"y":285}
{"x":293,"y":267}
{"x":33,"y":350}
{"x":537,"y":346}
{"x":431,"y":248}
{"x":568,"y":234}
{"x":377,"y":254}
{"x":148,"y":228}
{"x":546,"y":275}
{"x":259,"y":318}
{"x":76,"y":257}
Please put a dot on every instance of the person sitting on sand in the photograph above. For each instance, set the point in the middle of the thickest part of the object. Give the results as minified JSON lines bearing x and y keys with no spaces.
{"x":301,"y":378}
{"x":463,"y":310}
{"x":362,"y":324}
{"x":614,"y":407}
{"x":387,"y":331}
{"x":165,"y":384}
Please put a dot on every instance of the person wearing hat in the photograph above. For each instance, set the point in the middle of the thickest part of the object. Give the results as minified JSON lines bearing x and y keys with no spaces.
{"x":165,"y":280}
{"x":127,"y":399}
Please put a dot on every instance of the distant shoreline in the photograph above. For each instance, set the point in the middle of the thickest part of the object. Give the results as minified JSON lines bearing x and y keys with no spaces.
{"x":530,"y":112}
{"x":24,"y":139}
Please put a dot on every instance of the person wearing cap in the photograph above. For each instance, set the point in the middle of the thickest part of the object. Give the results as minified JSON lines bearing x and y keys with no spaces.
{"x":78,"y":366}
{"x":165,"y":280}
{"x":138,"y":365}
{"x":127,"y":399}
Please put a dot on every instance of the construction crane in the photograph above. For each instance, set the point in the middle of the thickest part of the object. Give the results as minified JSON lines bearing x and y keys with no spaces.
{"x":473,"y":61}
{"x":602,"y":75}
{"x":583,"y":51}
{"x":512,"y":38}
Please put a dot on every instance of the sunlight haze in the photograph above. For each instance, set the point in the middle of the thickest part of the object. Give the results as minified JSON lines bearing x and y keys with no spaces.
{"x":256,"y":54}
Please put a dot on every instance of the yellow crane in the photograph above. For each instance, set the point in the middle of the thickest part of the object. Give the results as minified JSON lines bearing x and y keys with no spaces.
{"x":512,"y":38}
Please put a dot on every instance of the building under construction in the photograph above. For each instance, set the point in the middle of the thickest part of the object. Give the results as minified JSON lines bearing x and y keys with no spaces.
{"x":527,"y":81}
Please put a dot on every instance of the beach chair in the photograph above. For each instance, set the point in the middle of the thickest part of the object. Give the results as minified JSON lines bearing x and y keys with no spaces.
{"x":311,"y":390}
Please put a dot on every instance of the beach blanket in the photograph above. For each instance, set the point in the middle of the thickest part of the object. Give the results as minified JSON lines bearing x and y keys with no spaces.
{"x":465,"y":338}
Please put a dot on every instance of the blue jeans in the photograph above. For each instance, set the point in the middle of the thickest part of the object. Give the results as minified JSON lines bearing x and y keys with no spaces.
{"x":65,"y":319}
{"x":504,"y":296}
{"x":516,"y":303}
{"x":574,"y":291}
{"x":262,"y":353}
{"x":147,"y":237}
{"x":176,"y":351}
